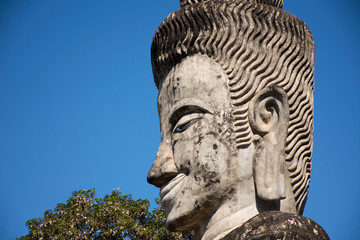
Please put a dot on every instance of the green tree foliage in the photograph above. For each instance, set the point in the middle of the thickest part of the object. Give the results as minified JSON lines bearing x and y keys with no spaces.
{"x":116,"y":216}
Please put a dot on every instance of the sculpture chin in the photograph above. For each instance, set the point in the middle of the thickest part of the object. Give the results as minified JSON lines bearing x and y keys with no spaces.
{"x":176,"y":223}
{"x":186,"y":220}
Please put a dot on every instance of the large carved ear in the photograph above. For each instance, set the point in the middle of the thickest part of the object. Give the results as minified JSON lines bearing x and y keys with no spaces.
{"x":269,"y":119}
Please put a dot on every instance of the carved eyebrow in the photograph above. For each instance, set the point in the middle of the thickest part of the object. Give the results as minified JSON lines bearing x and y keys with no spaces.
{"x":183,"y":111}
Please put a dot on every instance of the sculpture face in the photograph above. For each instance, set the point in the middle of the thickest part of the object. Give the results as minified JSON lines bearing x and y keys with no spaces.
{"x":195,"y":165}
{"x":237,"y":144}
{"x":206,"y":181}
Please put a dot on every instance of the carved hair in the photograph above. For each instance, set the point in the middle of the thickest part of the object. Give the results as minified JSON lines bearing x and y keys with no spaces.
{"x":275,"y":3}
{"x":257,"y":45}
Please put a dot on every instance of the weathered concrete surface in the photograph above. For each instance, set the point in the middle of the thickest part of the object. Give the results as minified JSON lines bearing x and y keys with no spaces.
{"x":278,"y":225}
{"x":235,"y":80}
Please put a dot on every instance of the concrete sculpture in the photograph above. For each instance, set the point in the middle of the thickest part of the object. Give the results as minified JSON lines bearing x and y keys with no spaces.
{"x":235,"y":80}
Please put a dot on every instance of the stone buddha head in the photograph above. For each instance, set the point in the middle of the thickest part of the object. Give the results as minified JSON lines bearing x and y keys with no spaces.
{"x":235,"y":80}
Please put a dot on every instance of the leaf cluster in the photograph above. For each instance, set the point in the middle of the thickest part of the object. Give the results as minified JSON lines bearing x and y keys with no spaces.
{"x":115,"y":216}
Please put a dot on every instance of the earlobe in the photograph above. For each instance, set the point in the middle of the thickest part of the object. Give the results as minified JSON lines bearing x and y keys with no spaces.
{"x":269,"y":119}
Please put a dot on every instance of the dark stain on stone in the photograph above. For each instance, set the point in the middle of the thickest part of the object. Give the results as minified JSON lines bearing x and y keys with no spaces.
{"x":199,"y":140}
{"x":278,"y":225}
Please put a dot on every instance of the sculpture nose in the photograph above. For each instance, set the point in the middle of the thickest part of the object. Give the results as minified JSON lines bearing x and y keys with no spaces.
{"x":163,"y":168}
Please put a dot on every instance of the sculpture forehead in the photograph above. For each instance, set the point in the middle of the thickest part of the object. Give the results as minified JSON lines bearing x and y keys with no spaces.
{"x":195,"y":80}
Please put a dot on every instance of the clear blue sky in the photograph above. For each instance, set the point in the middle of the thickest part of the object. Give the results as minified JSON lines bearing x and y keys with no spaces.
{"x":78,"y":105}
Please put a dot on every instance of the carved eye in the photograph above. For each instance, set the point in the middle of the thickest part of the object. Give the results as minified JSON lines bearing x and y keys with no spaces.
{"x":181,"y":127}
{"x":186,"y":116}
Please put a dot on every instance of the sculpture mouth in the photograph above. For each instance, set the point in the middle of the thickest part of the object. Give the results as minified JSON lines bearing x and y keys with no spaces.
{"x":170,"y":189}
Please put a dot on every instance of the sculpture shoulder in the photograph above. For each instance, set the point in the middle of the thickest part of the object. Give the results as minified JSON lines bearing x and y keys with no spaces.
{"x":278,"y":225}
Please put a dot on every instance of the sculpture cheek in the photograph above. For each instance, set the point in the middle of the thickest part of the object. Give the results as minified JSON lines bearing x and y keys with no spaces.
{"x":183,"y":147}
{"x":183,"y":155}
{"x":207,"y":161}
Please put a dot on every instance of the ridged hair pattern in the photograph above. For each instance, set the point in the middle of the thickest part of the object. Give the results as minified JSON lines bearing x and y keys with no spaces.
{"x":275,"y":3}
{"x":257,"y":45}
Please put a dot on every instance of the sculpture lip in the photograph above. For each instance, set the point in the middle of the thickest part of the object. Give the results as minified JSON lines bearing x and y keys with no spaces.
{"x":168,"y":187}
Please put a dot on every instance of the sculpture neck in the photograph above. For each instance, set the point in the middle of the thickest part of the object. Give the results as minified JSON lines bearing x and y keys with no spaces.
{"x":221,"y":228}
